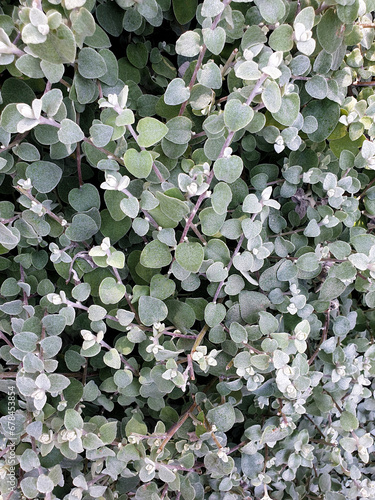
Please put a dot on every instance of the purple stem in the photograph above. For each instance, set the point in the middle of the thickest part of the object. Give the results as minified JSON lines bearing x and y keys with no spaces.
{"x":226,"y":144}
{"x":200,"y":58}
{"x":154,"y":167}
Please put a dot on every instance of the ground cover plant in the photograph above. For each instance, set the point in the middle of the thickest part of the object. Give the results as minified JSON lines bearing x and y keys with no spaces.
{"x":187,"y":288}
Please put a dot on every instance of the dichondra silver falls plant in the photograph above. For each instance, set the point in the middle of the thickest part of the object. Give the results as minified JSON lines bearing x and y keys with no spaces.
{"x":187,"y":256}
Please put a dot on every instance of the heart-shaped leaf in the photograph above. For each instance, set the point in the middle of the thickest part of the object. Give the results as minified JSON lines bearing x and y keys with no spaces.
{"x":112,"y":359}
{"x":214,"y":39}
{"x":151,"y":310}
{"x":84,"y":198}
{"x":82,"y":228}
{"x":176,"y":92}
{"x":150,"y":131}
{"x":111,"y":292}
{"x":139,"y":164}
{"x":101,"y":134}
{"x":44,"y":175}
{"x":251,"y":204}
{"x":155,"y":255}
{"x":70,"y":132}
{"x":130,"y":207}
{"x":190,"y":256}
{"x":216,"y":272}
{"x":237,"y":115}
{"x":228,"y":169}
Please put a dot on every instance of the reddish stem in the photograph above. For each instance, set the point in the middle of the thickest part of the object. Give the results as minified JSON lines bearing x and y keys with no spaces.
{"x":201,"y":57}
{"x":78,"y":155}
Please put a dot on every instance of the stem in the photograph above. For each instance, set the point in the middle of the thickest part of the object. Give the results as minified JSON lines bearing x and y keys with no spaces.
{"x":363,"y":84}
{"x":190,"y":367}
{"x":237,"y":447}
{"x":199,"y":338}
{"x":314,"y":424}
{"x":225,"y":145}
{"x":9,"y":221}
{"x":5,"y":375}
{"x":287,"y":233}
{"x":105,"y":151}
{"x":192,"y":215}
{"x":97,"y":478}
{"x":324,"y":337}
{"x":276,"y":257}
{"x":24,"y":294}
{"x":283,"y":416}
{"x":367,"y":187}
{"x":201,"y":57}
{"x":199,"y":235}
{"x":19,"y":138}
{"x":229,"y":62}
{"x":179,"y":335}
{"x":28,"y":194}
{"x":100,"y":89}
{"x":172,"y":431}
{"x":5,"y":338}
{"x":78,"y":155}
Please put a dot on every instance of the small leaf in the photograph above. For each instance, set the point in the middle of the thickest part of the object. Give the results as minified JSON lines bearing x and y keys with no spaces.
{"x":214,"y":314}
{"x":214,"y":39}
{"x":247,"y":70}
{"x":289,"y":109}
{"x":251,"y":204}
{"x":272,"y":11}
{"x":317,"y":87}
{"x":130,"y":207}
{"x":155,"y":255}
{"x":221,"y":198}
{"x":308,"y":262}
{"x":72,"y":419}
{"x":228,"y":169}
{"x":329,"y":31}
{"x":111,"y":292}
{"x":210,"y":76}
{"x":173,"y":208}
{"x":60,"y":46}
{"x":138,"y":164}
{"x":44,"y":175}
{"x":82,"y":228}
{"x":184,"y":11}
{"x":348,"y":421}
{"x":84,"y":198}
{"x":190,"y":256}
{"x":112,"y":358}
{"x":176,"y":92}
{"x":151,"y":310}
{"x":101,"y":134}
{"x":222,"y":416}
{"x":312,"y":229}
{"x":237,"y":115}
{"x":271,"y":97}
{"x":91,"y":64}
{"x":70,"y":132}
{"x":188,"y":44}
{"x":9,"y":236}
{"x":150,"y":131}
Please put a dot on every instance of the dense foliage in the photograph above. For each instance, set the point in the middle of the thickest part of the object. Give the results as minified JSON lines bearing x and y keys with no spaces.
{"x":187,"y":298}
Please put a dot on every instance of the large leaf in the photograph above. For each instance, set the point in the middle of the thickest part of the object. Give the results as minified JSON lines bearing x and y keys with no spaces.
{"x":60,"y":46}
